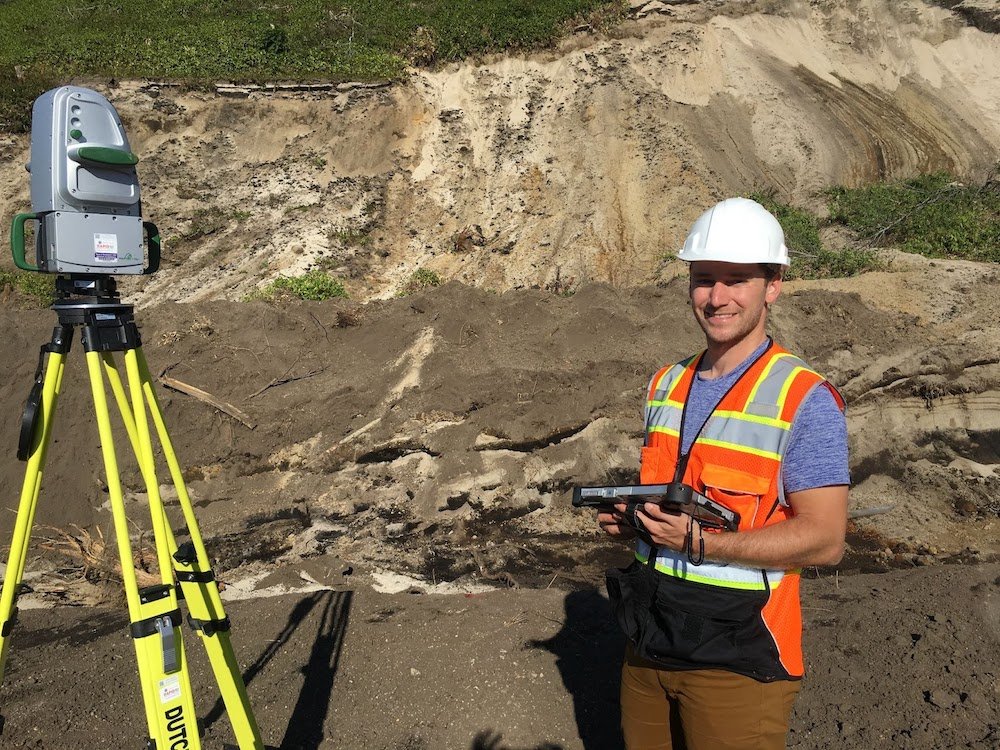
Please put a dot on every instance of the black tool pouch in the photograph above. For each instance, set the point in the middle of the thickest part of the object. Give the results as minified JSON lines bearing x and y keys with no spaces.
{"x":631,"y":592}
{"x":678,"y":624}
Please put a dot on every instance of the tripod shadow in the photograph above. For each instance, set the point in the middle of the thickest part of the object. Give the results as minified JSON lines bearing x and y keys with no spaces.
{"x":305,"y":726}
{"x":588,"y":653}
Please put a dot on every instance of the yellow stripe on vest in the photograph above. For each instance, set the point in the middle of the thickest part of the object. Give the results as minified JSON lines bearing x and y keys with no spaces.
{"x":788,"y":384}
{"x":739,"y":448}
{"x":666,"y":402}
{"x":664,"y":430}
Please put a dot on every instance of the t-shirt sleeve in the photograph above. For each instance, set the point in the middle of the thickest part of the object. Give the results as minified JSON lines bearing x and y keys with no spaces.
{"x":817,"y":448}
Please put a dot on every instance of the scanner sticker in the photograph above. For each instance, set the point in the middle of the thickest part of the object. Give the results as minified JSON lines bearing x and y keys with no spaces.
{"x":170,"y":689}
{"x":105,"y":248}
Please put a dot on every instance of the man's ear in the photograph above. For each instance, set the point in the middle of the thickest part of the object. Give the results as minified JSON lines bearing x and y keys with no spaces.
{"x":772,"y":290}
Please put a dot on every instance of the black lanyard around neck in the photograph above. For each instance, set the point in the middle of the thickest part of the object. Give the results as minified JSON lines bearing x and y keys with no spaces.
{"x":683,"y":458}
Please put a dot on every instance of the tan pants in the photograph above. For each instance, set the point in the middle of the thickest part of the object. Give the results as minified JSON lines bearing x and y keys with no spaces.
{"x":704,"y":709}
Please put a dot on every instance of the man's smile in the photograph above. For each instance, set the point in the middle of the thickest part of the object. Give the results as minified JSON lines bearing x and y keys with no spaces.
{"x":719,"y":315}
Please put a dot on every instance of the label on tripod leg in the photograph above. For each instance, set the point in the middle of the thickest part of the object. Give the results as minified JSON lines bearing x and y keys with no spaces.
{"x":170,"y":689}
{"x":105,"y":248}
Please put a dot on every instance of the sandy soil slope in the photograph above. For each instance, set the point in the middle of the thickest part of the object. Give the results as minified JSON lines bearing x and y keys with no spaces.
{"x":580,"y":164}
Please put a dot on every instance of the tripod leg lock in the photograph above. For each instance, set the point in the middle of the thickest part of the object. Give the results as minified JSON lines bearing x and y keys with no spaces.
{"x":168,"y":642}
{"x":209,"y":628}
{"x":148,"y":627}
{"x":186,"y":554}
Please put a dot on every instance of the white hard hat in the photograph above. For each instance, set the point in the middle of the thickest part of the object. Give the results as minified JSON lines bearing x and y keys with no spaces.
{"x":737,"y":230}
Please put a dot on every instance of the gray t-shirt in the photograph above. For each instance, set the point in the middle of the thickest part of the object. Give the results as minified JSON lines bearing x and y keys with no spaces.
{"x":817,"y":449}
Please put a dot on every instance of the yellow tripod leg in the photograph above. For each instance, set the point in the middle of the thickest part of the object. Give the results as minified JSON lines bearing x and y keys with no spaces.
{"x":194,"y":573}
{"x":28,"y":502}
{"x":196,"y":578}
{"x":190,"y":563}
{"x":153,"y":611}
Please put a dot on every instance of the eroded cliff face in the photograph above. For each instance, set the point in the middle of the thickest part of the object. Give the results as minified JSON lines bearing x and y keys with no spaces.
{"x":577,"y":164}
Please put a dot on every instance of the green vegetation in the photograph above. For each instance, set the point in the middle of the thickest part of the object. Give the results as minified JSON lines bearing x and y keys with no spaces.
{"x":351,"y":237}
{"x":18,"y":90}
{"x":203,"y":40}
{"x":422,"y":278}
{"x":205,"y":221}
{"x":930,"y":215}
{"x":33,"y":289}
{"x":810,"y":260}
{"x":313,"y":285}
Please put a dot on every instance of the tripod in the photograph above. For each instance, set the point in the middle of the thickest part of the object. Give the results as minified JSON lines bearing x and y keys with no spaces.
{"x":107,"y":326}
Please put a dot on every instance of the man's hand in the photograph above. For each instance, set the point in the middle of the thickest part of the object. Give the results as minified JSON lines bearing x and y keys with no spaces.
{"x":665,"y":528}
{"x":613,"y":522}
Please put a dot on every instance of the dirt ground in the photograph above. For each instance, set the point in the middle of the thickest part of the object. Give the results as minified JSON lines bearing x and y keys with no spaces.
{"x":387,"y":498}
{"x":906,"y":659}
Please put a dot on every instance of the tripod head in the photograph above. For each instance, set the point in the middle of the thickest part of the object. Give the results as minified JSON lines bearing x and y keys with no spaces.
{"x":84,"y":191}
{"x":87,"y":289}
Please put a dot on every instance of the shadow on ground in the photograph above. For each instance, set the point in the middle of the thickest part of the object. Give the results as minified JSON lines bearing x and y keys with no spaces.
{"x":489,"y":740}
{"x":588,"y":653}
{"x":305,"y":725}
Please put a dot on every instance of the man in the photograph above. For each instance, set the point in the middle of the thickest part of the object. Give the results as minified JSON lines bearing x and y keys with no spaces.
{"x":713,"y":617}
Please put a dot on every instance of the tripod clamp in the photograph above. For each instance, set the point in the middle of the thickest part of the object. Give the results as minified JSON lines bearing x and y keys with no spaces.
{"x":185,"y":555}
{"x":62,"y":337}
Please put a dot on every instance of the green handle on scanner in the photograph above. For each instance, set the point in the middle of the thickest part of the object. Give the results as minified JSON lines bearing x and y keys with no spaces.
{"x":17,"y":241}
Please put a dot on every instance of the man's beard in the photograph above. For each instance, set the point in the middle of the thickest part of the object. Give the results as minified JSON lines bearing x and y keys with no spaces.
{"x":746,"y":324}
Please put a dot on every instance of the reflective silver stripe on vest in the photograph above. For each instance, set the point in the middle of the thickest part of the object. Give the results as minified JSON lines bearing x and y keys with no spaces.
{"x":746,"y":433}
{"x":771,"y":386}
{"x":730,"y":576}
{"x":663,"y":419}
{"x":662,"y":414}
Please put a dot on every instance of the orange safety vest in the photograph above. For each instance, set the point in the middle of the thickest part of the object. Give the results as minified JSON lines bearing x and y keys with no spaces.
{"x":714,"y":614}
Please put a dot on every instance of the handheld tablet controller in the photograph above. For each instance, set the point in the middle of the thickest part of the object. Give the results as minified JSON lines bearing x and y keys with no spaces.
{"x":672,"y":497}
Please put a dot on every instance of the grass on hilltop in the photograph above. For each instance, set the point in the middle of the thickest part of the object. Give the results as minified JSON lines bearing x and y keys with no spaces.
{"x":44,"y":42}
